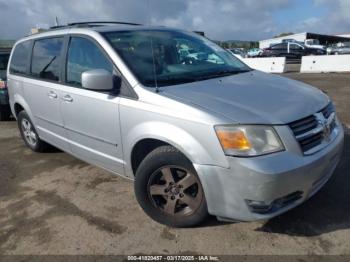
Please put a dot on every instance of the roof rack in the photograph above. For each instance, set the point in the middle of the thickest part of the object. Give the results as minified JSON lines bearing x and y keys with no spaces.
{"x":93,"y":24}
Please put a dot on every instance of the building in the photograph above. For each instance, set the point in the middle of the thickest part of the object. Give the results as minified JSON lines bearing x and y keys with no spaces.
{"x":345,"y":35}
{"x":301,"y":37}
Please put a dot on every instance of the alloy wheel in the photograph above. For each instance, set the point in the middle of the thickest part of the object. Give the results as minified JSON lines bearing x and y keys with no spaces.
{"x":29,"y":133}
{"x":175,"y":191}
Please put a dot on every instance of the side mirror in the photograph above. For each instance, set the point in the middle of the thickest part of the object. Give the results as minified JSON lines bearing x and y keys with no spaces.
{"x":97,"y":79}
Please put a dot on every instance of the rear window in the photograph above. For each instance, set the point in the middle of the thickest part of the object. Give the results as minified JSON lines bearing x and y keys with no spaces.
{"x":279,"y":46}
{"x":20,"y":58}
{"x":4,"y":58}
{"x":46,"y":58}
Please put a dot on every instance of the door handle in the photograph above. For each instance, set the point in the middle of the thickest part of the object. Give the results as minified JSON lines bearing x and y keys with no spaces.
{"x":67,"y":98}
{"x":52,"y":95}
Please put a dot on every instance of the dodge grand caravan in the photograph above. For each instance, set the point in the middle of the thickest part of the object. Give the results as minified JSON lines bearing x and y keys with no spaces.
{"x":199,"y":134}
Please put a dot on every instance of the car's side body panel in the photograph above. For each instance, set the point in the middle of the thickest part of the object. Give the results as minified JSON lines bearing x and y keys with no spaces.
{"x":91,"y":121}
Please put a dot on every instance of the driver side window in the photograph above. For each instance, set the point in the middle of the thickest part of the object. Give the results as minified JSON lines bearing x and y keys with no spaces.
{"x":84,"y":55}
{"x":295,"y":47}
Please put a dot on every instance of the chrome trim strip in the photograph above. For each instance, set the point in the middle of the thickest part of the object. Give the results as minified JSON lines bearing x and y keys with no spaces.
{"x":49,"y":121}
{"x":92,"y":137}
{"x":80,"y":133}
{"x":314,"y":131}
{"x":323,"y":127}
{"x":81,"y":146}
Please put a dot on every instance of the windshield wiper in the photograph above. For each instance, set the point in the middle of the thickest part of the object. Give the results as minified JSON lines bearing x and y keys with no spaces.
{"x":171,"y":80}
{"x":223,"y":73}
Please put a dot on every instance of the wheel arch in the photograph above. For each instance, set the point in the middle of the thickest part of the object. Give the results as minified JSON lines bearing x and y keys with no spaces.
{"x":141,"y":149}
{"x":154,"y":134}
{"x":19,"y":105}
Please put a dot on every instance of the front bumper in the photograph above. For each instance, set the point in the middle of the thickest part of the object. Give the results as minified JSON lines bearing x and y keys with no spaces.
{"x":268,"y":179}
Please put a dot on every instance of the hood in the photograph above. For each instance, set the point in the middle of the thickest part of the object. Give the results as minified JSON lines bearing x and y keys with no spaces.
{"x":252,"y":98}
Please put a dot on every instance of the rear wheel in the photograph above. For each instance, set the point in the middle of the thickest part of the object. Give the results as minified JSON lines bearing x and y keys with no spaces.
{"x":29,"y":134}
{"x":169,"y":190}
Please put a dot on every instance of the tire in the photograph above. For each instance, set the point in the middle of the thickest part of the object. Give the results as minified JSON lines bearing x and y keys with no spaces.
{"x":29,"y":134}
{"x":168,"y":189}
{"x":4,"y":113}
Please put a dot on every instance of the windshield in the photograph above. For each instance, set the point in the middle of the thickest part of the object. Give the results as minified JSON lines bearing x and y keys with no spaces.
{"x":4,"y":58}
{"x":169,"y":57}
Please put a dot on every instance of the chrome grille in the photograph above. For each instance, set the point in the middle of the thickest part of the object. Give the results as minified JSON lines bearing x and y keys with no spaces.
{"x":328,"y":110}
{"x":311,"y":141}
{"x":304,"y":125}
{"x":310,"y":131}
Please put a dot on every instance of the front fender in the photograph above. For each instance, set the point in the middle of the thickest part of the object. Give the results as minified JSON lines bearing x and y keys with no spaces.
{"x":189,"y":145}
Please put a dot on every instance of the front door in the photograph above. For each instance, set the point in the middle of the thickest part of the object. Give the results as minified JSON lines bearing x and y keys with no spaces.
{"x":296,"y":50}
{"x":91,"y":118}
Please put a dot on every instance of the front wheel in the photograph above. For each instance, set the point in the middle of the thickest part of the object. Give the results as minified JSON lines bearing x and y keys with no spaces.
{"x":168,"y":189}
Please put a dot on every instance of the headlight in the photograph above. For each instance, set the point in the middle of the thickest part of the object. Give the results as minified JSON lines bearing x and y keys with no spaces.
{"x":248,"y":140}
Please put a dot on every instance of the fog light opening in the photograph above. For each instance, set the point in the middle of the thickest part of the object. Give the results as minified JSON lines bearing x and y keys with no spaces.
{"x":258,"y":206}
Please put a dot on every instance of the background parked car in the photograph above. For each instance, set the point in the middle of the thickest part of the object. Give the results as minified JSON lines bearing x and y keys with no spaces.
{"x":342,"y":49}
{"x":291,"y":50}
{"x":311,"y":43}
{"x":254,"y":52}
{"x":314,"y":43}
{"x":5,"y":110}
{"x":237,"y":52}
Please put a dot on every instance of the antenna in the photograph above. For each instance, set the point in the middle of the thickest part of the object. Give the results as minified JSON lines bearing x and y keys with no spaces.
{"x":149,"y":12}
{"x":56,"y":21}
{"x":154,"y":60}
{"x":154,"y":67}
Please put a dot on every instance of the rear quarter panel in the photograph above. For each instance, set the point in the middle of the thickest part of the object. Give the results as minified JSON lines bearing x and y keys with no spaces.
{"x":16,"y":94}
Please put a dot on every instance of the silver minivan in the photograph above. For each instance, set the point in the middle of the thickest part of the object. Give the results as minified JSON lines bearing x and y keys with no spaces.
{"x":197,"y":130}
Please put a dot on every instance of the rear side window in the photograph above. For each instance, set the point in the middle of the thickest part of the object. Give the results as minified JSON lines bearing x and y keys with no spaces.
{"x":84,"y":55}
{"x":295,"y":47}
{"x":20,"y":58}
{"x":46,"y":58}
{"x":279,"y":46}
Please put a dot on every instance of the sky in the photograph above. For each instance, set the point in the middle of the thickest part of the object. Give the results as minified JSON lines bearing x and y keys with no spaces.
{"x":219,"y":19}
